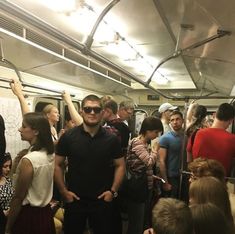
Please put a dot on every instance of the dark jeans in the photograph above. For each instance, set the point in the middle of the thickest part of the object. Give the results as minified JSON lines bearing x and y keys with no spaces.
{"x":98,"y":214}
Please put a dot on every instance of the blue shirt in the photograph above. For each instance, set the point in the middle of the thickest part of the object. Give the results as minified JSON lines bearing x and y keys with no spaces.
{"x":172,"y":142}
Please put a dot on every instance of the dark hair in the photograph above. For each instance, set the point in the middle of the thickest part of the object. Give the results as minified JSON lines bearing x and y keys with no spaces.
{"x":3,"y":159}
{"x":171,"y":216}
{"x":67,"y":116}
{"x":198,"y":117}
{"x":225,"y":112}
{"x":37,"y":121}
{"x":176,"y":112}
{"x":91,"y":97}
{"x":111,"y":104}
{"x":151,"y":123}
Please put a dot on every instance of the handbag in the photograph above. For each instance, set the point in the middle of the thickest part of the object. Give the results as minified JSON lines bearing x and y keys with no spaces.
{"x":135,"y":184}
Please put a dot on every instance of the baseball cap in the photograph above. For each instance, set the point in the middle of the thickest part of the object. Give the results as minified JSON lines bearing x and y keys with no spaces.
{"x":166,"y":106}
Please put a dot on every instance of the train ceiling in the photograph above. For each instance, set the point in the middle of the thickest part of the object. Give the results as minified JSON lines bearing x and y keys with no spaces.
{"x":179,"y":49}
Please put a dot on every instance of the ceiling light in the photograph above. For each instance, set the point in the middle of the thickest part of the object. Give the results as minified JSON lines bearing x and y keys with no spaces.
{"x":160,"y":79}
{"x":60,"y":5}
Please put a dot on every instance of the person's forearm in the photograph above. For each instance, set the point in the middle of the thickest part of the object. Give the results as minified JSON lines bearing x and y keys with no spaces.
{"x":118,"y":177}
{"x":163,"y":173}
{"x":59,"y":179}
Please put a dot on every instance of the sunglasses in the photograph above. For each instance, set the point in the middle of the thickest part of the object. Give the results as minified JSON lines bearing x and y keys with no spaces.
{"x":88,"y":109}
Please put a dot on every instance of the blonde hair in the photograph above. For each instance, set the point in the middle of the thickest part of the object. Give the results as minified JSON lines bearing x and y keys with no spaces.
{"x":210,"y":189}
{"x":47,"y":109}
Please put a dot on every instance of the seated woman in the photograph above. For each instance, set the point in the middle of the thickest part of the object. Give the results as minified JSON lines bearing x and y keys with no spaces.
{"x":210,"y":190}
{"x":208,"y":218}
{"x":6,"y":189}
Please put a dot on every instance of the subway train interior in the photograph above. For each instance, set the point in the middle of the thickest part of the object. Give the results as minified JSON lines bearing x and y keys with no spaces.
{"x":148,"y":52}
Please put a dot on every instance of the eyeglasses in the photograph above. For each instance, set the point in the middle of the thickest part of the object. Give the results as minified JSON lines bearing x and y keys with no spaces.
{"x":190,"y":175}
{"x":88,"y":109}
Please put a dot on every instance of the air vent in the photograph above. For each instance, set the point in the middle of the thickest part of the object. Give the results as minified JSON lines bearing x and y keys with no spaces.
{"x":98,"y":68}
{"x":125,"y":81}
{"x":76,"y":57}
{"x":11,"y":26}
{"x":50,"y":44}
{"x":44,"y":42}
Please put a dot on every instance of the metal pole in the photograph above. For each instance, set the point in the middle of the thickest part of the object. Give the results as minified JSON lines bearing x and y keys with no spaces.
{"x":220,"y":33}
{"x":183,"y":147}
{"x":24,"y":84}
{"x":90,"y":39}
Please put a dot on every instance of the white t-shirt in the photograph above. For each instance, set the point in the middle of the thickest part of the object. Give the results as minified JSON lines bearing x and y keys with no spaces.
{"x":40,"y":191}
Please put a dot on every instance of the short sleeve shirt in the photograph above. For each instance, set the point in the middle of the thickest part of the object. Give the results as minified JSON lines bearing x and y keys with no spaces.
{"x":90,"y":160}
{"x":172,"y":142}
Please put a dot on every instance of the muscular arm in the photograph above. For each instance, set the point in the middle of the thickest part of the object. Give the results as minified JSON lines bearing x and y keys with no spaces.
{"x":59,"y":173}
{"x":118,"y":173}
{"x":59,"y":179}
{"x":22,"y":186}
{"x":162,"y":162}
{"x":163,"y":170}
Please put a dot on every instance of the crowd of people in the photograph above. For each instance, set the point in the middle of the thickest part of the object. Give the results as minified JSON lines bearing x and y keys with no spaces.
{"x":93,"y":177}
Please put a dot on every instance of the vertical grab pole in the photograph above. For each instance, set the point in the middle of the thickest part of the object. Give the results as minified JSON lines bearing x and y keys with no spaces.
{"x":183,"y":151}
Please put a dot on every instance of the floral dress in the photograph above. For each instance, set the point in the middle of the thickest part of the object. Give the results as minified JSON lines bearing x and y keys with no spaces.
{"x":6,"y":193}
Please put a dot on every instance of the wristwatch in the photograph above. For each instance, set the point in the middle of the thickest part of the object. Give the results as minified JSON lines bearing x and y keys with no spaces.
{"x":115,"y":194}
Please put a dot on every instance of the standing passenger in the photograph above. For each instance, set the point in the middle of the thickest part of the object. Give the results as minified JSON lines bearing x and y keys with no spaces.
{"x":165,"y":110}
{"x":111,"y":119}
{"x":215,"y":142}
{"x":95,"y":171}
{"x":140,"y":161}
{"x":170,"y":155}
{"x":125,"y":111}
{"x":30,"y":211}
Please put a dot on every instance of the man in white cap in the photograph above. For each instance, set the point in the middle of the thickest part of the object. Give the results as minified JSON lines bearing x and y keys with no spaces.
{"x":165,"y":109}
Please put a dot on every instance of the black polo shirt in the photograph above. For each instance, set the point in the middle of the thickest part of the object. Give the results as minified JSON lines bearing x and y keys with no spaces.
{"x":90,"y":161}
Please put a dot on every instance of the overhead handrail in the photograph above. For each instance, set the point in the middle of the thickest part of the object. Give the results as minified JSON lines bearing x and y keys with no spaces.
{"x":90,"y":37}
{"x":25,"y":84}
{"x":46,"y":28}
{"x":220,"y":33}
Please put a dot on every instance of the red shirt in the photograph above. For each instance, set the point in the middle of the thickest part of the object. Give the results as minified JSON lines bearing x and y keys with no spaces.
{"x":215,"y":143}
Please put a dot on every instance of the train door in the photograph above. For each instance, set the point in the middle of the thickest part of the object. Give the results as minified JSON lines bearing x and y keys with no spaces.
{"x":138,"y":116}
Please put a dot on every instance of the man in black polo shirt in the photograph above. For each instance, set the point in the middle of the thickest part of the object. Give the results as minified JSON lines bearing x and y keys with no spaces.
{"x":95,"y":171}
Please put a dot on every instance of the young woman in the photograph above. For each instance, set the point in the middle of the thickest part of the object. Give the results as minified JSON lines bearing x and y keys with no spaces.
{"x":208,"y":218}
{"x":30,"y":211}
{"x":6,"y":189}
{"x":141,"y":159}
{"x":210,"y":190}
{"x":52,"y":114}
